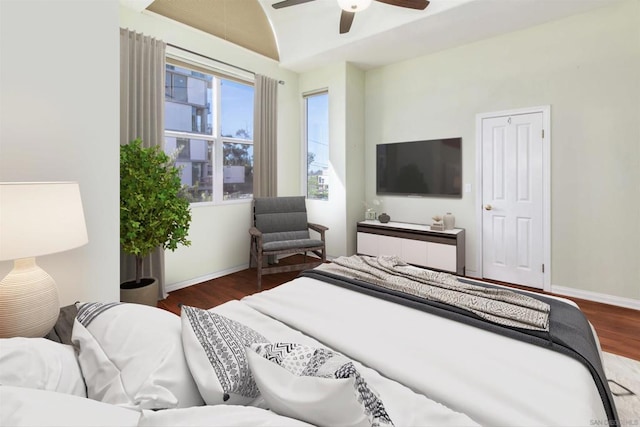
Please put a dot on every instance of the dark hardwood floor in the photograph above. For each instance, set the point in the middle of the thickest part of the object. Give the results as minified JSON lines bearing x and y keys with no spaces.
{"x":618,"y":328}
{"x":232,"y":286}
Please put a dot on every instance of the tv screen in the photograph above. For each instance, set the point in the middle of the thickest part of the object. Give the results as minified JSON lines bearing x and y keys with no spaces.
{"x":421,"y":168}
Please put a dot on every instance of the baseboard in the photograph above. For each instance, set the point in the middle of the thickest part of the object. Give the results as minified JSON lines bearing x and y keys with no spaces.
{"x":175,"y":286}
{"x":582,"y":294}
{"x":596,"y":297}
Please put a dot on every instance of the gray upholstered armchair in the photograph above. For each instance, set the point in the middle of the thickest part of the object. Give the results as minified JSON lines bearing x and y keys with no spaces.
{"x":280,"y":227}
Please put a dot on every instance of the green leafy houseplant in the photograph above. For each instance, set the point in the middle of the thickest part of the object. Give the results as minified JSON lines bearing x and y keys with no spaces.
{"x":152,"y":210}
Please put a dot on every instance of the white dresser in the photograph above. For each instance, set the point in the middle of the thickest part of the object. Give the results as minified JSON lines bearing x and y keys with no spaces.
{"x":415,"y":243}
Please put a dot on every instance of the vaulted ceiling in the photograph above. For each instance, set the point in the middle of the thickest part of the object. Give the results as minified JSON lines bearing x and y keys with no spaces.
{"x":306,"y":36}
{"x":242,"y":22}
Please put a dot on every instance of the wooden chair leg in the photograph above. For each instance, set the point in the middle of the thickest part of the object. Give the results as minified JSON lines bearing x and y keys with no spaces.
{"x":259,"y":268}
{"x":253,"y":253}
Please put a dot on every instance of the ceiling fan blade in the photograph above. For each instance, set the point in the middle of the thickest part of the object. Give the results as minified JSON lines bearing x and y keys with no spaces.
{"x":287,"y":3}
{"x":346,"y":18}
{"x":411,"y":4}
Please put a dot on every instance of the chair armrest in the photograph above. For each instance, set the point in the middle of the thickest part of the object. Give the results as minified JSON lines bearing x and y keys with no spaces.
{"x":317,"y":227}
{"x":255,"y":232}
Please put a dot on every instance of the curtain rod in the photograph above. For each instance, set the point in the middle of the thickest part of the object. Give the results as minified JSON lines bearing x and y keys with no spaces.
{"x":217,"y":60}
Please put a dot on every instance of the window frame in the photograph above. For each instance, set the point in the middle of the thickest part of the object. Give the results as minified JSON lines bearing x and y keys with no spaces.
{"x":217,"y":140}
{"x":305,"y":142}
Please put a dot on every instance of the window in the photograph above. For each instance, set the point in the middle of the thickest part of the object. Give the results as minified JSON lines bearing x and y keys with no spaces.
{"x":316,"y":113}
{"x":209,"y":134}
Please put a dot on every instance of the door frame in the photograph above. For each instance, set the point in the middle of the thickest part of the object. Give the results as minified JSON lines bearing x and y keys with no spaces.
{"x":546,"y":185}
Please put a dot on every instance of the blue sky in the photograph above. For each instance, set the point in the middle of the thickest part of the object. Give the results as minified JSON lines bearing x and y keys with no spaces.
{"x":237,"y":108}
{"x":318,"y":129}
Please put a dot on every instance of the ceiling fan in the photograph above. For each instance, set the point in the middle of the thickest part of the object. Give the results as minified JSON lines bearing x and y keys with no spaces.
{"x":350,"y":7}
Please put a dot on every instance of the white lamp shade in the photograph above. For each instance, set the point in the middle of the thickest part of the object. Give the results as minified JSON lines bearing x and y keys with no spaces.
{"x":39,"y":218}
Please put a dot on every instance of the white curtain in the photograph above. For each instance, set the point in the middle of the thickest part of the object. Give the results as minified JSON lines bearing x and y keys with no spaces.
{"x":142,"y":78}
{"x":265,"y":137}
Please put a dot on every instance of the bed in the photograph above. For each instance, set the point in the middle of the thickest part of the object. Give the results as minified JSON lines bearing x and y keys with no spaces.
{"x":327,"y":348}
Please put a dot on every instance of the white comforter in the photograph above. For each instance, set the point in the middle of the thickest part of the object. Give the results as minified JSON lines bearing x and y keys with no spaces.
{"x":404,"y":406}
{"x":20,"y":406}
{"x":493,"y":379}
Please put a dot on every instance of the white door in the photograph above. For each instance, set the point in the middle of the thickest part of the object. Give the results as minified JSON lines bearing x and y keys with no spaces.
{"x":512,"y":199}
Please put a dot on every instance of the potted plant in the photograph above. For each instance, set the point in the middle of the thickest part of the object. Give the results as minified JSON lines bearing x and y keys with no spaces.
{"x":153,"y":213}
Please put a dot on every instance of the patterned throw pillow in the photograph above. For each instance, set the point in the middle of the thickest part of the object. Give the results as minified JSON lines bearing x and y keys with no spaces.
{"x":316,"y":385}
{"x":215,"y":348}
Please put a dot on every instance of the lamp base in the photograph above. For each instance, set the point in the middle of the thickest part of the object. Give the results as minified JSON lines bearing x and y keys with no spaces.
{"x":29,"y":304}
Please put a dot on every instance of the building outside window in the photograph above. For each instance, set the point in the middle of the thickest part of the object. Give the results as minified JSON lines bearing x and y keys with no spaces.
{"x":209,"y":133}
{"x":316,"y":113}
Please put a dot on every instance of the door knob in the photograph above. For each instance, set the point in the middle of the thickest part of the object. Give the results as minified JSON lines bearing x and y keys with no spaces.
{"x":487,"y":207}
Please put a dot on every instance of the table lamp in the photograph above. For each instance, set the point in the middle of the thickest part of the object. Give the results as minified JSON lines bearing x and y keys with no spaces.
{"x":36,"y":218}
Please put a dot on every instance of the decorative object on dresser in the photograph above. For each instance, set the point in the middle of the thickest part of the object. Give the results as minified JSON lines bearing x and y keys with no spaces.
{"x":38,"y":218}
{"x":153,"y":213}
{"x":449,"y":221}
{"x":384,"y":218}
{"x":370,"y":213}
{"x":437,"y":224}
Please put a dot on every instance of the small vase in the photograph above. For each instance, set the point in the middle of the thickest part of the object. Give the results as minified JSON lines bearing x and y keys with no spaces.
{"x":449,"y":221}
{"x":384,"y":218}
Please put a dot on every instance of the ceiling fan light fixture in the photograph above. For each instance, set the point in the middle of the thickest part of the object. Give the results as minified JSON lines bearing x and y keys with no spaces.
{"x":354,"y":5}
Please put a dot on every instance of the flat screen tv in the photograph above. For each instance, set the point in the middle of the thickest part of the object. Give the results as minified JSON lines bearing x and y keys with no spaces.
{"x":420,"y":168}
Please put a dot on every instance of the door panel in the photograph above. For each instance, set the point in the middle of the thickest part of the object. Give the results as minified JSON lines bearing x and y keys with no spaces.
{"x":523,"y":244}
{"x":512,"y":192}
{"x":498,"y":166}
{"x":498,"y":241}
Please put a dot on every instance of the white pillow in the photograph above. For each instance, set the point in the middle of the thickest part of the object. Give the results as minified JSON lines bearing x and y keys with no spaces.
{"x":131,"y":355}
{"x":216,"y":416}
{"x":40,"y":363}
{"x":318,"y":386}
{"x":215,"y":348}
{"x":30,"y":407}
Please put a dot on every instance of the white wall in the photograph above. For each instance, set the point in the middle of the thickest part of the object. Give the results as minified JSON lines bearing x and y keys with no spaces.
{"x":219,"y":234}
{"x":354,"y":153}
{"x":331,"y":212}
{"x":587,"y":67}
{"x":345,"y":84}
{"x":59,"y":121}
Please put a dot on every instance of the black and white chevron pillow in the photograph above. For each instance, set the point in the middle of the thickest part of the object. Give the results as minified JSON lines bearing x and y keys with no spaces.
{"x":316,"y":385}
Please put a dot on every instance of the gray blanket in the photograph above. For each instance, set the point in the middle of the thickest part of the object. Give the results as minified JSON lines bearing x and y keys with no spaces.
{"x":500,"y":306}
